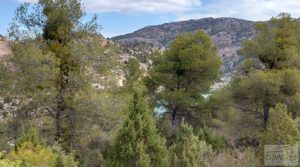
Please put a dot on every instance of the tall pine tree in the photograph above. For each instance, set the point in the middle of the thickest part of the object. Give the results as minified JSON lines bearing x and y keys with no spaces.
{"x":281,"y":128}
{"x":276,"y":45}
{"x":55,"y":55}
{"x":138,"y":143}
{"x":182,"y":73}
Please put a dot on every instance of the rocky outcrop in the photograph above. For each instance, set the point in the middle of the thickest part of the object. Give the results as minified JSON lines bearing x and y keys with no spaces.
{"x":5,"y":48}
{"x":2,"y":38}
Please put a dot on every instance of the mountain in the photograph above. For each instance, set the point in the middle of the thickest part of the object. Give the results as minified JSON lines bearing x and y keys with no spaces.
{"x":226,"y":33}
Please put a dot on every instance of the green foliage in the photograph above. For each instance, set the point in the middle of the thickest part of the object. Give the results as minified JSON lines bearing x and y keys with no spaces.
{"x":5,"y":81}
{"x":31,"y":136}
{"x":107,"y":111}
{"x":264,"y":89}
{"x":134,"y":76}
{"x":277,"y":46}
{"x":7,"y":163}
{"x":220,"y":106}
{"x":58,"y":59}
{"x":31,"y":152}
{"x":63,"y":159}
{"x":217,"y":143}
{"x":37,"y":69}
{"x":277,"y":43}
{"x":99,"y":113}
{"x":225,"y":123}
{"x":257,"y":93}
{"x":281,"y":128}
{"x":188,"y":150}
{"x":236,"y":158}
{"x":134,"y":71}
{"x":49,"y":54}
{"x":138,"y":142}
{"x":32,"y":155}
{"x":185,"y":71}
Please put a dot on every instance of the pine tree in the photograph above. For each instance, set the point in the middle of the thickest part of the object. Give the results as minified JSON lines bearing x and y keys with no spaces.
{"x":182,"y":73}
{"x":276,"y":45}
{"x":58,"y":58}
{"x":257,"y":93}
{"x":281,"y":128}
{"x":188,"y":150}
{"x":54,"y":52}
{"x":138,"y":143}
{"x":133,"y":75}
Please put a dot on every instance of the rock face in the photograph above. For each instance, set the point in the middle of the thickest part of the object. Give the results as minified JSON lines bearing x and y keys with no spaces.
{"x":226,"y":33}
{"x":5,"y":48}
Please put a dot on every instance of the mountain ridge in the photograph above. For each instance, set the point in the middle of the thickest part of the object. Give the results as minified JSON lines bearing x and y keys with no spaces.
{"x":226,"y":33}
{"x":177,"y":22}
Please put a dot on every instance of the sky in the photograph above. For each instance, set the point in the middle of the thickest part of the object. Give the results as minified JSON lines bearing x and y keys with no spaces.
{"x":119,"y":17}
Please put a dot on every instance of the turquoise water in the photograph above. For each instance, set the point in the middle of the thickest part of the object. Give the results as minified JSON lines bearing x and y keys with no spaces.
{"x":160,"y":110}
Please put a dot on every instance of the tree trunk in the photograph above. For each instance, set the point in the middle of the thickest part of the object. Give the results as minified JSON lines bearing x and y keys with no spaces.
{"x":62,"y":106}
{"x":59,"y":128}
{"x":174,"y":116}
{"x":266,"y":113}
{"x":294,"y":115}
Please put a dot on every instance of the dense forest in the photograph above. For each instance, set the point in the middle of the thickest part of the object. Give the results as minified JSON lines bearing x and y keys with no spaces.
{"x":71,"y":98}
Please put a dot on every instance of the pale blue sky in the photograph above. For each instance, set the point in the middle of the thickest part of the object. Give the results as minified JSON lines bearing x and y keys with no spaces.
{"x":125,"y":16}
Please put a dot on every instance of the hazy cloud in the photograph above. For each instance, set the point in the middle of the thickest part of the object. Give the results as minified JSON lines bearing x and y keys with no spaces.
{"x":137,"y":5}
{"x":246,"y":9}
{"x":193,"y":9}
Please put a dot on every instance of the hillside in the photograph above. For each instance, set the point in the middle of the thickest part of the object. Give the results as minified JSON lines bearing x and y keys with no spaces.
{"x":110,"y":51}
{"x":226,"y":33}
{"x":5,"y":51}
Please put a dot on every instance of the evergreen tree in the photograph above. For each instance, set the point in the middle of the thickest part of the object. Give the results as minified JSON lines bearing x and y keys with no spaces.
{"x":138,"y":143}
{"x":188,"y":150}
{"x":182,"y":73}
{"x":133,"y":75}
{"x":57,"y":57}
{"x":61,"y":62}
{"x":58,"y":32}
{"x":281,"y":128}
{"x":276,"y":45}
{"x":133,"y":70}
{"x":257,"y":93}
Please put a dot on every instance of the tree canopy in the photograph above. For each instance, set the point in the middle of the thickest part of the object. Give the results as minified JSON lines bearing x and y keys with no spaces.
{"x":181,"y":74}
